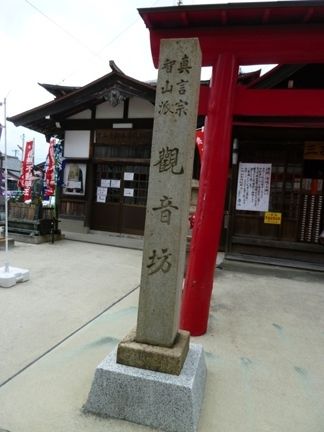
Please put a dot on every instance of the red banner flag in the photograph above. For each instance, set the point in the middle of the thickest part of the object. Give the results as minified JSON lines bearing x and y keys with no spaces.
{"x":50,"y":170}
{"x":26,"y":179}
{"x":200,"y":142}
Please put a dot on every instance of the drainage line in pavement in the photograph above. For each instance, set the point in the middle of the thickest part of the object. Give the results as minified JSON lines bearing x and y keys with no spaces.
{"x":67,"y":337}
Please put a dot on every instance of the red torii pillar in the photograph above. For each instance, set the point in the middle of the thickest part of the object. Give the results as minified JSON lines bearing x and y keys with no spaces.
{"x":212,"y":189}
{"x":241,"y":34}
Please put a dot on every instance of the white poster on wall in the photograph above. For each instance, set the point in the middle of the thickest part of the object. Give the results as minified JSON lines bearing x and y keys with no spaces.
{"x":253,"y":187}
{"x":101,"y":191}
{"x":129,"y":176}
{"x":101,"y":194}
{"x":115,"y":184}
{"x":74,"y":178}
{"x":101,"y":198}
{"x":128,"y":192}
{"x":105,"y":183}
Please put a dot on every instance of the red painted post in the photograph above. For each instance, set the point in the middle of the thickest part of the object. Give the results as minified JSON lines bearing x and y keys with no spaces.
{"x":212,"y":190}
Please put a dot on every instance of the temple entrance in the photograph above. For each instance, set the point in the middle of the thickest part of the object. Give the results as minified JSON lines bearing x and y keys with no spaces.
{"x":120,"y":198}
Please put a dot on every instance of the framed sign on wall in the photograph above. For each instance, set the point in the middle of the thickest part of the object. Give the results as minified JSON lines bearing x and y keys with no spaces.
{"x":74,"y":178}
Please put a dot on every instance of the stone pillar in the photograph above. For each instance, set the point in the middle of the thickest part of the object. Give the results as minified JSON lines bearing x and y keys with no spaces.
{"x":169,"y":191}
{"x":128,"y":384}
{"x":157,"y":344}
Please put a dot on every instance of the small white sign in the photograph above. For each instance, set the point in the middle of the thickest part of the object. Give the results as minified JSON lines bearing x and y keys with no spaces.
{"x":105,"y":183}
{"x":128,"y":192}
{"x":101,"y":198}
{"x":71,"y":184}
{"x":102,"y":191}
{"x":115,"y":184}
{"x":129,"y":176}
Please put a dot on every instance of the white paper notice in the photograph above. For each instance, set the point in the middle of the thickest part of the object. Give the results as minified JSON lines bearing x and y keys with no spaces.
{"x":73,"y":184}
{"x":102,"y":191}
{"x":101,"y":198}
{"x":115,"y":184}
{"x":129,"y":176}
{"x":253,"y":187}
{"x":101,"y":194}
{"x":105,"y":183}
{"x":128,"y":192}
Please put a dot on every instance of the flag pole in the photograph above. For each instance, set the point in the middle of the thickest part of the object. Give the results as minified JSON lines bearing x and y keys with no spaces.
{"x":6,"y":187}
{"x":9,"y":276}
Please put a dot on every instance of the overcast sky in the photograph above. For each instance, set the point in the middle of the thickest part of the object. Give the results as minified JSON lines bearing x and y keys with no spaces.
{"x":67,"y":42}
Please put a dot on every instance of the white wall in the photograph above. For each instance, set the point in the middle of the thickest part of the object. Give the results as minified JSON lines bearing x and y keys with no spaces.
{"x":106,"y":110}
{"x":77,"y":144}
{"x":86,"y":114}
{"x":140,"y":108}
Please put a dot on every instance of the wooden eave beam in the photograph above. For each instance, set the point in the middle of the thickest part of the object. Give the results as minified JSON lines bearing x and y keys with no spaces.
{"x":309,"y":14}
{"x":272,"y":103}
{"x":184,"y":18}
{"x":265,"y":44}
{"x":224,"y":17}
{"x":80,"y":99}
{"x":290,"y":102}
{"x":266,"y":15}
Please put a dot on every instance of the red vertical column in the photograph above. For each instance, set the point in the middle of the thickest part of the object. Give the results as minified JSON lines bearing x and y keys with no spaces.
{"x":212,"y":190}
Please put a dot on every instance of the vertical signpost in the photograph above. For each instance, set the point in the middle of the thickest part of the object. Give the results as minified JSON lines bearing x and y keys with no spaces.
{"x":169,"y":191}
{"x":164,"y":348}
{"x":157,"y":345}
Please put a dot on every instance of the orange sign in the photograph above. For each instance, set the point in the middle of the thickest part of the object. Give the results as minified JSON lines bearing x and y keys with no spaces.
{"x":272,"y":218}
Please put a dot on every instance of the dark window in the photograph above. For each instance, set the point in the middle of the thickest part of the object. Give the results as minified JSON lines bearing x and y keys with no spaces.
{"x":122,"y":152}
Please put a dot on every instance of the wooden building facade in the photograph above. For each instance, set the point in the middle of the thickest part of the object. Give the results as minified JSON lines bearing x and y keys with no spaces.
{"x":291,"y":226}
{"x":107,"y":129}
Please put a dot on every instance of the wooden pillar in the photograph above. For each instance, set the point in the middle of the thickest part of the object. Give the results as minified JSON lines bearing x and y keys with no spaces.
{"x":212,"y":191}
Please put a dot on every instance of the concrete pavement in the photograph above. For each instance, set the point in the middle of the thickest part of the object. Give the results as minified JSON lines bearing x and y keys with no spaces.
{"x":264,"y":347}
{"x":70,"y":283}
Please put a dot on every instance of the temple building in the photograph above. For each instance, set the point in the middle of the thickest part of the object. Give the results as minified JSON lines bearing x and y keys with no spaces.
{"x":274,"y":204}
{"x":293,"y":147}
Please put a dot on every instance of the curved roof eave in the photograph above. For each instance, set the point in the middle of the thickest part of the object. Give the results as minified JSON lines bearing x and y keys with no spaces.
{"x":90,"y":93}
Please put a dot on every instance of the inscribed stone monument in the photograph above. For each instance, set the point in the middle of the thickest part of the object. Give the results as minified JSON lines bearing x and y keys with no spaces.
{"x":157,"y":344}
{"x":169,"y":191}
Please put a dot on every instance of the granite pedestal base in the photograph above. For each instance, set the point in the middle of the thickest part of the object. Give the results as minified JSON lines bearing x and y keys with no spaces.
{"x":167,"y":402}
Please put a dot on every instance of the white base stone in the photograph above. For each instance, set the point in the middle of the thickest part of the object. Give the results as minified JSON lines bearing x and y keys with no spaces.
{"x":12,"y":276}
{"x":167,"y":402}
